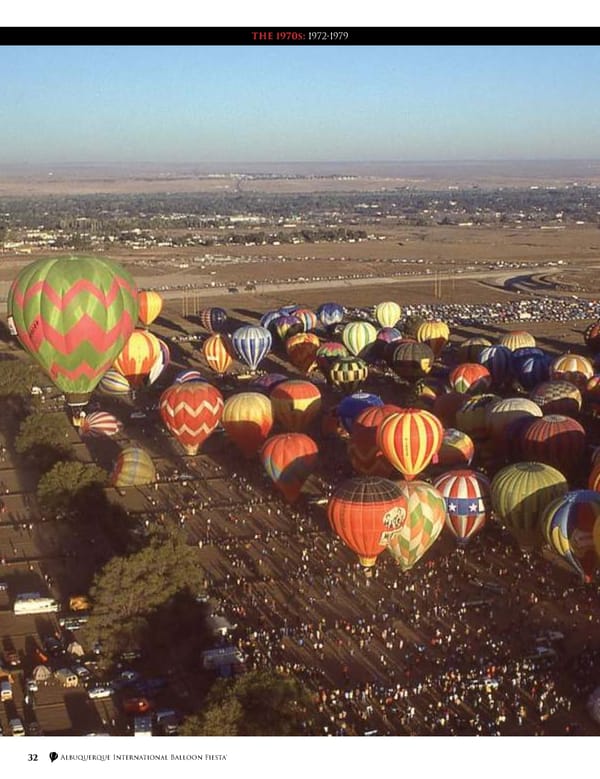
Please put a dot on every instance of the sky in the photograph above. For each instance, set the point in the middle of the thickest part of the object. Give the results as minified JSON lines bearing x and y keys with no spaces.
{"x":187,"y":103}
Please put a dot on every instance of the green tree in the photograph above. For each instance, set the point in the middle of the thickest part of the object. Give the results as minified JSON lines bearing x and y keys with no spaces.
{"x":259,"y":703}
{"x":43,"y":440}
{"x":70,"y":486}
{"x":130,"y":589}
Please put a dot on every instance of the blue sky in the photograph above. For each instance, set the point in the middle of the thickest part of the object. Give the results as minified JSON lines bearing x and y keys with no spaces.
{"x":243,"y":103}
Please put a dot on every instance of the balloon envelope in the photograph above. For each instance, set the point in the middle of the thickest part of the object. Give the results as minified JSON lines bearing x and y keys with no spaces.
{"x":248,"y":419}
{"x":191,"y":411}
{"x":289,"y":459}
{"x":73,"y":315}
{"x":134,"y":467}
{"x":425,"y":518}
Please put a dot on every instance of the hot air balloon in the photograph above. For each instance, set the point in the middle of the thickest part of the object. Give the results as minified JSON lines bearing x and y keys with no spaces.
{"x":248,"y":419}
{"x":348,"y":374}
{"x":287,"y":325}
{"x":499,"y":362}
{"x":457,"y":449}
{"x":363,"y":452}
{"x":296,"y":403}
{"x":137,"y":357}
{"x":161,"y":362}
{"x":100,"y":423}
{"x":252,"y":344}
{"x":435,"y":334}
{"x":73,"y":315}
{"x":289,"y":459}
{"x":133,"y":468}
{"x":411,"y":325}
{"x":412,"y":360}
{"x":356,"y":336}
{"x":573,"y":368}
{"x":410,"y":439}
{"x":268,"y":381}
{"x":569,"y":524}
{"x":591,"y":396}
{"x":557,"y":397}
{"x":330,"y":314}
{"x":470,"y":349}
{"x":502,"y":412}
{"x":467,"y":496}
{"x":328,"y":353}
{"x":302,"y":351}
{"x":190,"y":412}
{"x":365,"y":512}
{"x":516,"y":339}
{"x":150,"y":304}
{"x":531,"y":366}
{"x":213,"y":319}
{"x":349,"y":408}
{"x":269,"y":318}
{"x":387,"y":313}
{"x":188,"y":375}
{"x":217,"y":352}
{"x":557,"y":440}
{"x":114,"y":383}
{"x":446,"y":405}
{"x":307,"y":318}
{"x":520,"y":492}
{"x":425,"y":392}
{"x":591,"y":337}
{"x":470,"y":377}
{"x":425,"y":518}
{"x":472,"y":416}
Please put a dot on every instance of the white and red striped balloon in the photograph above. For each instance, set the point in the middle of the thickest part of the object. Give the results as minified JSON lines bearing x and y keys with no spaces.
{"x":467,"y":496}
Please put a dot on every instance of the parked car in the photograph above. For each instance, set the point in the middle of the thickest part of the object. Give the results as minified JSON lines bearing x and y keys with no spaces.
{"x":82,"y":672}
{"x":16,"y":727}
{"x":137,"y":705}
{"x":100,"y":691}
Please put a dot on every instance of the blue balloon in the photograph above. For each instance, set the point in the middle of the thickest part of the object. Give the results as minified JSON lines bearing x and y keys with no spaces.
{"x":498,"y":360}
{"x":351,"y":406}
{"x":252,"y":343}
{"x":330,"y":314}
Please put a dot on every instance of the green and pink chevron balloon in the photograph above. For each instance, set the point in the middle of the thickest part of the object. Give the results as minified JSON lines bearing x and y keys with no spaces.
{"x":74,"y":315}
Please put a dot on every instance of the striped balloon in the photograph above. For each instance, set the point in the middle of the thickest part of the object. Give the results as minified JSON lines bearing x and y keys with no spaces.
{"x":435,"y":334}
{"x":412,"y":360}
{"x":410,"y":439}
{"x":356,"y":336}
{"x":287,"y":325}
{"x":531,"y":366}
{"x":73,"y":315}
{"x":472,"y":417}
{"x":591,"y":337}
{"x":114,"y":383}
{"x":520,"y":493}
{"x":138,"y":357}
{"x":425,"y":518}
{"x":330,"y":314}
{"x":502,"y":413}
{"x":570,"y":524}
{"x":150,"y":304}
{"x":133,"y":468}
{"x":352,"y":405}
{"x":470,"y":349}
{"x":213,"y":319}
{"x":100,"y":423}
{"x":188,"y":374}
{"x":217,"y":352}
{"x":252,"y":344}
{"x":387,"y":313}
{"x":468,"y":503}
{"x":573,"y":368}
{"x":190,"y":412}
{"x":301,"y":350}
{"x":307,"y":318}
{"x":557,"y":440}
{"x":499,"y":362}
{"x":517,"y":339}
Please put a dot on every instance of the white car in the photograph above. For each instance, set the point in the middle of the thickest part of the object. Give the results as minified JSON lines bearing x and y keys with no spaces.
{"x":101,"y":691}
{"x":16,"y":727}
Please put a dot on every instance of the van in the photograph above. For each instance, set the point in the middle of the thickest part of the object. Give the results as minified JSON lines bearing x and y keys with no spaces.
{"x":6,"y":691}
{"x":66,"y":677}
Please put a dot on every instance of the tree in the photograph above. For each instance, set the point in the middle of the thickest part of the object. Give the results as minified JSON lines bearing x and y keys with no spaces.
{"x":70,"y":486}
{"x":259,"y":703}
{"x":129,"y":589}
{"x":43,"y":440}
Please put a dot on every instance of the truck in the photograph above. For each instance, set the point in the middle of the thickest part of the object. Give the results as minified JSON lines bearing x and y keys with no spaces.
{"x":34,"y":603}
{"x":226,"y":660}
